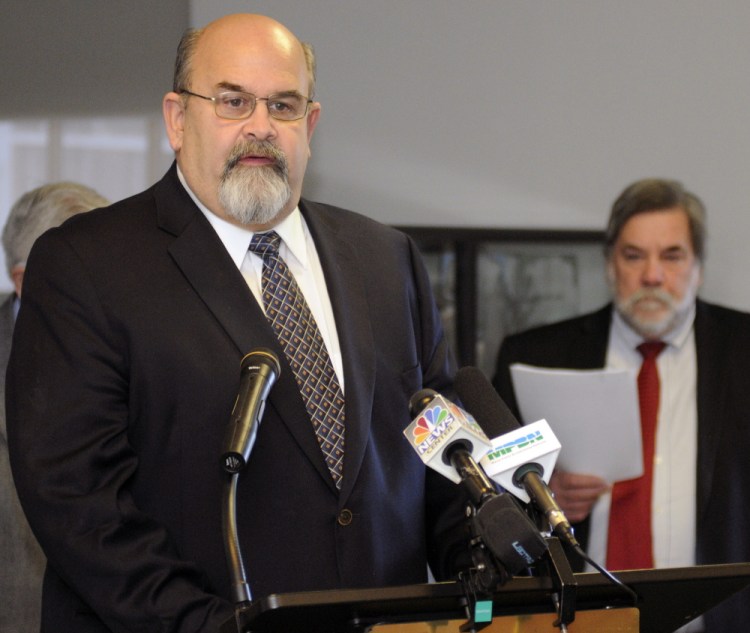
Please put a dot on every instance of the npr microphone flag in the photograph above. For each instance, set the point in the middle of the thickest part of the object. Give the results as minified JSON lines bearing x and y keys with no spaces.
{"x":440,"y":424}
{"x":531,"y":443}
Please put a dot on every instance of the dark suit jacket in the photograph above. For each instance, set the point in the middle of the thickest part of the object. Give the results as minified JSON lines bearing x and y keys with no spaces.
{"x":722,"y":340}
{"x":124,"y":370}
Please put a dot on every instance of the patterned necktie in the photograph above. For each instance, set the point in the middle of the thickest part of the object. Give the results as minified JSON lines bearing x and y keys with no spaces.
{"x":629,"y":544}
{"x":297,"y":331}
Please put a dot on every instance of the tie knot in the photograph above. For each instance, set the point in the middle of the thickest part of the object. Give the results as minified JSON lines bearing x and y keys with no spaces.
{"x":265,"y":244}
{"x":651,"y":349}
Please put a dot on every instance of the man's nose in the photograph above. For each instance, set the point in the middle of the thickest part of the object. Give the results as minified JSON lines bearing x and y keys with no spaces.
{"x":653,"y":272}
{"x":260,"y":123}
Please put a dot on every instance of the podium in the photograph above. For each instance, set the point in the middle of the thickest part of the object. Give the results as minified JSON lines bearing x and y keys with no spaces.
{"x":667,"y":599}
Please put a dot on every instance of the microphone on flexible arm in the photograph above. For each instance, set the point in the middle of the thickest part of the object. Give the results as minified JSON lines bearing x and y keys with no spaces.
{"x":520,"y":454}
{"x":259,"y":370}
{"x":448,"y":440}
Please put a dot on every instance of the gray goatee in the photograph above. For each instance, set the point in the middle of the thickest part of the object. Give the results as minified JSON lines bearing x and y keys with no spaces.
{"x":254,"y":194}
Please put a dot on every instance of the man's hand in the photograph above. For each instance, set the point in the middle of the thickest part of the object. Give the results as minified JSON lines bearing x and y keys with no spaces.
{"x":576,"y":493}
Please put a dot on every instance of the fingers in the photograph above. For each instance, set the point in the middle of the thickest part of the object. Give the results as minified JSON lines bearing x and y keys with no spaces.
{"x":576,"y":493}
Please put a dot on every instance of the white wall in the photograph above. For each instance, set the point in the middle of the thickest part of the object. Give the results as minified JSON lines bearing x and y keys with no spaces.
{"x":528,"y":114}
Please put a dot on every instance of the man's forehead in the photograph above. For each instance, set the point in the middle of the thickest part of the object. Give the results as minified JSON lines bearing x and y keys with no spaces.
{"x":249,"y":38}
{"x":245,"y":68}
{"x":657,"y":226}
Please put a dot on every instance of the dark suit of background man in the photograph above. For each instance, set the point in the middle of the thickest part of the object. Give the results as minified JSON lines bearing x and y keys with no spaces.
{"x":701,"y":495}
{"x":126,"y":357}
{"x":21,"y":559}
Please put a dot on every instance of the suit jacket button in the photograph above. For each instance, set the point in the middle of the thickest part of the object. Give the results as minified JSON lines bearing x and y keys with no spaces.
{"x":345,"y":517}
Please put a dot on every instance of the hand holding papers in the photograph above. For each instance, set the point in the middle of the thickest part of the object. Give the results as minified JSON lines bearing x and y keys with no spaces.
{"x":594,"y":414}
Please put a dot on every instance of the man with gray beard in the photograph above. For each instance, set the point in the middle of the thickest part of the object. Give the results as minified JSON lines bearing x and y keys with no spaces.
{"x":696,"y":482}
{"x":126,"y":365}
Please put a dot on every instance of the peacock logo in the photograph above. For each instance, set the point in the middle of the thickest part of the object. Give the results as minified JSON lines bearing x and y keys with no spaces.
{"x":430,"y":424}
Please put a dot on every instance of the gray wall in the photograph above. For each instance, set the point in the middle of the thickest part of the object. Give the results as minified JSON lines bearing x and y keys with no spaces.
{"x":87,"y":56}
{"x":529,"y":114}
{"x":486,"y":113}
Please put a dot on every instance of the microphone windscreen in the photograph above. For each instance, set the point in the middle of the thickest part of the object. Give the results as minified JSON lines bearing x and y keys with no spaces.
{"x":509,"y":533}
{"x":481,"y":400}
{"x":420,"y":400}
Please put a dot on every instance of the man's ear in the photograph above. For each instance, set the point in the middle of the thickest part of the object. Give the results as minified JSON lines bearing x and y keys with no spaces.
{"x":173,"y":109}
{"x":313,"y":116}
{"x":699,"y":273}
{"x":16,"y":275}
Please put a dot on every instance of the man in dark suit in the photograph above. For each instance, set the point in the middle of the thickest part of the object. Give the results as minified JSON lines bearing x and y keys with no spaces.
{"x":701,"y":482}
{"x":126,"y":356}
{"x":21,"y":559}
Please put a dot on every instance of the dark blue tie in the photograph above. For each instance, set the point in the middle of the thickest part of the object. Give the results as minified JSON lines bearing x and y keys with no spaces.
{"x":297,"y":331}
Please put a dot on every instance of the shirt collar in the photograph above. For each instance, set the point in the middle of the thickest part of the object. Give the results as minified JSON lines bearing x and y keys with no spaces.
{"x":236,"y":239}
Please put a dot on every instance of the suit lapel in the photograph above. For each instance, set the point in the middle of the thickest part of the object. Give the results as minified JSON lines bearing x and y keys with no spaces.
{"x":342,"y":270}
{"x":588,"y":350}
{"x":199,"y":254}
{"x":711,"y":387}
{"x":202,"y":258}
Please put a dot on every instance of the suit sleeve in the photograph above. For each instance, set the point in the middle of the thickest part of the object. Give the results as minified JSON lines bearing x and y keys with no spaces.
{"x":448,"y":552}
{"x":68,"y":420}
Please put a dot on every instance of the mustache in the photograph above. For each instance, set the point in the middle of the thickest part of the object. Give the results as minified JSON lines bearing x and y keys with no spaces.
{"x":265,"y":149}
{"x":651,"y":294}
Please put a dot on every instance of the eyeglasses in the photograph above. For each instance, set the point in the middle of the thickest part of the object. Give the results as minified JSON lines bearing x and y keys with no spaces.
{"x":284,"y":106}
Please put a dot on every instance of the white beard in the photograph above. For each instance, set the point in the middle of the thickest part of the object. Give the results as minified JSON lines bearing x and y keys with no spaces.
{"x":254,"y":195}
{"x":635,"y":309}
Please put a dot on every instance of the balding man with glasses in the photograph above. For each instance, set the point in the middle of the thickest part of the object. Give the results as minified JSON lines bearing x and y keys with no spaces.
{"x":134,"y":322}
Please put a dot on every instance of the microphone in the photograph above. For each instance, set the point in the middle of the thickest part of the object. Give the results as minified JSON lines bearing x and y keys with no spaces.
{"x":450,"y":441}
{"x":259,"y":370}
{"x":516,"y":461}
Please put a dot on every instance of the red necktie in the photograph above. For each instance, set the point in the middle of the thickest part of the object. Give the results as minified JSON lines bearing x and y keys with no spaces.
{"x":629,"y":543}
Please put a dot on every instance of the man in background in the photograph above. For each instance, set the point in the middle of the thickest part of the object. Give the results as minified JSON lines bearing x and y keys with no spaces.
{"x":134,"y":322}
{"x":21,"y":559}
{"x":691,"y":505}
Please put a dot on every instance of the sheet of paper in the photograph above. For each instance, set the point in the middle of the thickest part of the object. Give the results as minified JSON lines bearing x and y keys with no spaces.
{"x":594,"y":414}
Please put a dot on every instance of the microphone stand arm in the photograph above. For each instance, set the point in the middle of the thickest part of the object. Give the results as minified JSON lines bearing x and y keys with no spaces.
{"x":240,"y":586}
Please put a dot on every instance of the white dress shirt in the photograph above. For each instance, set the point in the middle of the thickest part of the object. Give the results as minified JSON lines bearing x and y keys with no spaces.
{"x":673,"y":503}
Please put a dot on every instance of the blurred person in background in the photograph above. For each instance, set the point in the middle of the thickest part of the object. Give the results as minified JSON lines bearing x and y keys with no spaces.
{"x":690,"y":507}
{"x":21,"y":559}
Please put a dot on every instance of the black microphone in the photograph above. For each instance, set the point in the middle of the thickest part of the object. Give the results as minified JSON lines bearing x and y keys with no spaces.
{"x":496,"y":419}
{"x":449,"y":440}
{"x":259,"y":370}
